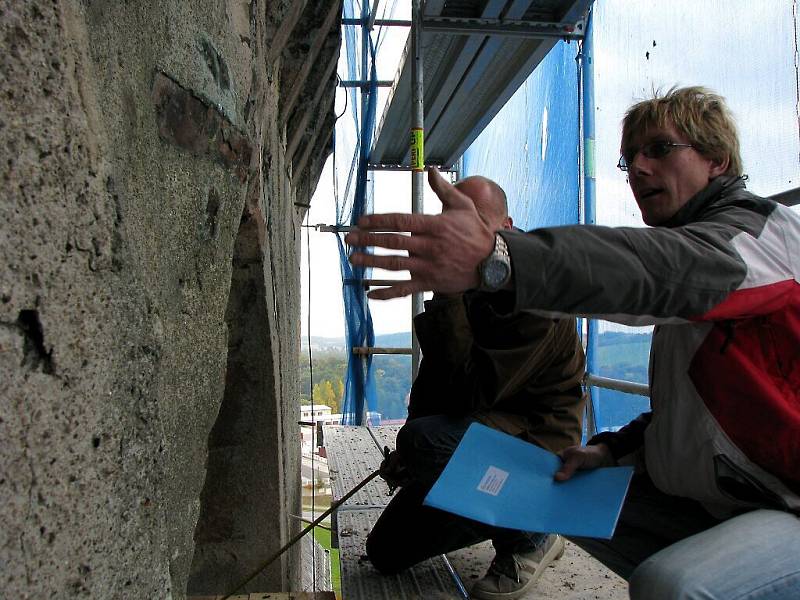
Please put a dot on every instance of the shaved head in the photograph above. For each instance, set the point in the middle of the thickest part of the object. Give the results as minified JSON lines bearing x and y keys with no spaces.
{"x":489,"y":198}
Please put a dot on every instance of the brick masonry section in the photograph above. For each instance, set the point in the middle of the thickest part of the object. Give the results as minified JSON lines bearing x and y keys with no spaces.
{"x":188,"y":122}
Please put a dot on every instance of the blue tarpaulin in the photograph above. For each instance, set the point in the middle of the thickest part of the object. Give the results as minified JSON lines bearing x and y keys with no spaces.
{"x":531,"y":147}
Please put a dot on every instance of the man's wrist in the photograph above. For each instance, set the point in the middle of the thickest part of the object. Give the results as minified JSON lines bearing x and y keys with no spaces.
{"x":607,"y":440}
{"x":495,"y":272}
{"x":608,"y":457}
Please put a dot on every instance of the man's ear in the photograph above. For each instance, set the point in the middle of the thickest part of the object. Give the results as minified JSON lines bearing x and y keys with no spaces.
{"x":718,"y":167}
{"x":508,"y":223}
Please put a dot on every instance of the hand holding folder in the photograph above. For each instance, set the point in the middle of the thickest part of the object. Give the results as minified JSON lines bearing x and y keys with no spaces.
{"x":501,"y":480}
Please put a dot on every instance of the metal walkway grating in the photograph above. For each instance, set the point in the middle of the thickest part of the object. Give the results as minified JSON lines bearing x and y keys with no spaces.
{"x":353,"y":453}
{"x":273,"y":596}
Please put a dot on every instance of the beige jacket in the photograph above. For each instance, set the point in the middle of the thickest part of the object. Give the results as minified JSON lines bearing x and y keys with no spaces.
{"x":518,"y":373}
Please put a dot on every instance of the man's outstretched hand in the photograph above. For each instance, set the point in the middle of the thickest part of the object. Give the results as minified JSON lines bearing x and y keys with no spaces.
{"x":444,"y":251}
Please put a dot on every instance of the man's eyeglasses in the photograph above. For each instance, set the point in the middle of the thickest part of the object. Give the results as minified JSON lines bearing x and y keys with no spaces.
{"x":651,"y":150}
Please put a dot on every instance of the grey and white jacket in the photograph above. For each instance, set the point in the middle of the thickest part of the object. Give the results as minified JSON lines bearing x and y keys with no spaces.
{"x":721,"y":282}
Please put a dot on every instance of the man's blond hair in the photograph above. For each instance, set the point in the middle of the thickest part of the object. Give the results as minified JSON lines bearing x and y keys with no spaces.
{"x":697,"y":113}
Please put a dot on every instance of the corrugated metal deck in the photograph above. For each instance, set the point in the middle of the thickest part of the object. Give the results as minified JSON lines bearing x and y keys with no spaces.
{"x":273,"y":596}
{"x":468,"y":77}
{"x":353,"y":454}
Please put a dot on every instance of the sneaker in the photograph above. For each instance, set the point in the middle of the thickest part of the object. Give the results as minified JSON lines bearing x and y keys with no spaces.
{"x":511,"y":575}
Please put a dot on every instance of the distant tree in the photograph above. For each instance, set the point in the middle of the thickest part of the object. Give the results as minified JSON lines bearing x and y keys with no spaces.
{"x":339,"y":390}
{"x":392,"y":381}
{"x":327,"y":365}
{"x":324,"y":394}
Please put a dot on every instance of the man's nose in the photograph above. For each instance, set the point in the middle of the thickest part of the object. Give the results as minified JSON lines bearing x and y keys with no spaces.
{"x":640,"y":164}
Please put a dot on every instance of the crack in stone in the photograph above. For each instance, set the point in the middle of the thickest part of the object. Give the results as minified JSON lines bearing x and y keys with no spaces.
{"x":35,"y":355}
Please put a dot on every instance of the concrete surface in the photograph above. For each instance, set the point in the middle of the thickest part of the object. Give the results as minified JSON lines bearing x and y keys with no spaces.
{"x":145,"y":171}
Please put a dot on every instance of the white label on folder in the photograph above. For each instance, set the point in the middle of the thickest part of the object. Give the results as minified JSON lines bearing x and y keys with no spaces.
{"x":493,"y":481}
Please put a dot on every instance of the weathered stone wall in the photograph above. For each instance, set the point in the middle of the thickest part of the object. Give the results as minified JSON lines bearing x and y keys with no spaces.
{"x":149,"y":288}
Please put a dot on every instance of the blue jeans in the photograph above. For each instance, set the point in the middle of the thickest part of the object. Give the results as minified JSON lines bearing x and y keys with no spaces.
{"x":753,"y":556}
{"x":670,"y":548}
{"x":408,"y":532}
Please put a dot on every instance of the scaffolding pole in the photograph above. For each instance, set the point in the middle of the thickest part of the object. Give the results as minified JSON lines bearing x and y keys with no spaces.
{"x":417,"y":157}
{"x":589,"y":196}
{"x":366,"y":24}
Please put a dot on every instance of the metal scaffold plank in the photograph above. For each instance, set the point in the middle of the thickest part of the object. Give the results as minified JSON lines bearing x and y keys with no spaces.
{"x":469,"y":77}
{"x":366,"y":351}
{"x":430,"y":579}
{"x":353,"y":453}
{"x":273,"y":596}
{"x":385,"y":435}
{"x":352,"y":456}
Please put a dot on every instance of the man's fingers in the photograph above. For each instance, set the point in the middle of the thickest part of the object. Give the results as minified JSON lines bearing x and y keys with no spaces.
{"x":415,"y":223}
{"x":573,"y":458}
{"x":583,"y":457}
{"x":567,"y":470}
{"x":391,"y":241}
{"x":397,"y":291}
{"x":447,"y":192}
{"x":390,"y":262}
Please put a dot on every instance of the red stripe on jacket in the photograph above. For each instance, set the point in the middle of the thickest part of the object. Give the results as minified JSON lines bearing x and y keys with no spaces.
{"x":751,"y":302}
{"x":747,"y":371}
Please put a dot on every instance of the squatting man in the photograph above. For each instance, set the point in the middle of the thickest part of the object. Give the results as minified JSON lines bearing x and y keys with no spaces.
{"x":517,"y":372}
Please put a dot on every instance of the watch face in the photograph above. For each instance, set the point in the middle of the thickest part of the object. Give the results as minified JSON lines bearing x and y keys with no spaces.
{"x":495,"y":273}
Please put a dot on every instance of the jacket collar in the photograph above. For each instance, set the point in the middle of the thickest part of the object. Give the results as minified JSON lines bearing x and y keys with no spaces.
{"x":718,"y":188}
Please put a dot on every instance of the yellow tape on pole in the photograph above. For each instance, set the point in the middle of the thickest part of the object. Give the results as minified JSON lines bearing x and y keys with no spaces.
{"x":417,"y":149}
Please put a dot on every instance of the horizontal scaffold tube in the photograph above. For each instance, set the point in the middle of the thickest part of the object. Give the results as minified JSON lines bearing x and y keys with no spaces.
{"x":619,"y":385}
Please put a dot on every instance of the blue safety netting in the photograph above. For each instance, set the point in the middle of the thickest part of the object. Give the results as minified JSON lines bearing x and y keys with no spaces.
{"x":360,"y":396}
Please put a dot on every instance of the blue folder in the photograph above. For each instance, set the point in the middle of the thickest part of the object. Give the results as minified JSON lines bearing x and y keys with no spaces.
{"x":501,"y":480}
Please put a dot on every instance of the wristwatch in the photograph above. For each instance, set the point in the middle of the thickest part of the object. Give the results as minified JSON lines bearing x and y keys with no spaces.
{"x":495,"y":270}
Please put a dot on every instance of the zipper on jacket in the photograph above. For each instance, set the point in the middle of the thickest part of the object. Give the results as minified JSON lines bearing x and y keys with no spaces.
{"x":728,"y":328}
{"x":743,"y":487}
{"x":775,"y":354}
